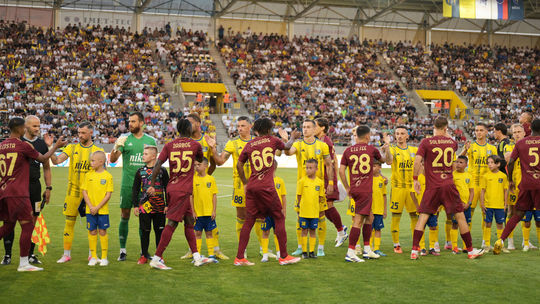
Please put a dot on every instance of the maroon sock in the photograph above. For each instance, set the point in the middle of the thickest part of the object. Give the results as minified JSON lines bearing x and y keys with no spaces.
{"x":280,"y":232}
{"x":166,"y":236}
{"x":333,"y":215}
{"x":190,"y":237}
{"x":244,"y":236}
{"x":26,"y":238}
{"x":6,"y":229}
{"x":353,"y":237}
{"x":467,"y":238}
{"x":417,"y":236}
{"x":510,"y":225}
{"x":366,"y":233}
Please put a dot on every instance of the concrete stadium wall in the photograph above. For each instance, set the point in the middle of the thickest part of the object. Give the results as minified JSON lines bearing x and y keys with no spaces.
{"x":34,"y":16}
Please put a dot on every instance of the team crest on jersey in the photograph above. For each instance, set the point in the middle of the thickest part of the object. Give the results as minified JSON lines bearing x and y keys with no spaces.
{"x":467,"y":180}
{"x":317,"y":188}
{"x":500,"y":180}
{"x":412,"y":154}
{"x":205,"y":149}
{"x":489,"y":152}
{"x":278,"y":186}
{"x":380,"y":185}
{"x":318,"y":152}
{"x":103,"y":181}
{"x":208,"y":185}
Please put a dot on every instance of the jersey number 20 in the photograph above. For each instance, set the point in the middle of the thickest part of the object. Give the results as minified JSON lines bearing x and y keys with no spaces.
{"x":447,"y":157}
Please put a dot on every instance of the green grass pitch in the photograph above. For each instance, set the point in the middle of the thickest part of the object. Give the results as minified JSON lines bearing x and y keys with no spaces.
{"x":509,"y":277}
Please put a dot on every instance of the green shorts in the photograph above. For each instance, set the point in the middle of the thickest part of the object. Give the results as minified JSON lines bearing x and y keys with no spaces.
{"x":126,"y":201}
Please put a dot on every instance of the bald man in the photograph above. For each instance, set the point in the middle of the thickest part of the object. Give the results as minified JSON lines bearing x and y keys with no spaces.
{"x":32,"y":135}
{"x":525,"y":119}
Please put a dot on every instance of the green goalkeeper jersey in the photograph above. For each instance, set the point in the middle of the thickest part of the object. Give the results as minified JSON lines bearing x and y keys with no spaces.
{"x":132,"y":152}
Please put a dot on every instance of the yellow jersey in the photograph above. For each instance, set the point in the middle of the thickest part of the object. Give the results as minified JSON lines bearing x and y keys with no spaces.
{"x":495,"y":185}
{"x":317,"y":150}
{"x":207,"y":152}
{"x":234,"y":147}
{"x":379,"y":192}
{"x":422,"y":181}
{"x":516,"y":174}
{"x":402,"y":166}
{"x":311,"y":190}
{"x":478,"y":155}
{"x":97,"y":184}
{"x":280,"y":188}
{"x":79,"y":165}
{"x":463,"y":181}
{"x":204,"y":189}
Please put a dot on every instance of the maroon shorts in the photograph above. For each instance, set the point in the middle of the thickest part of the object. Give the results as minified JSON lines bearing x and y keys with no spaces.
{"x":261,"y":203}
{"x":362,"y":202}
{"x":13,"y":209}
{"x":528,"y":200}
{"x":178,"y":206}
{"x":334,"y":196}
{"x":448,"y":196}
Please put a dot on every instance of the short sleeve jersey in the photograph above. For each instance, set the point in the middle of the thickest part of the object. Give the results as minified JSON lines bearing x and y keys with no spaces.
{"x":97,"y":185}
{"x":438,"y":153}
{"x":15,"y":157}
{"x":332,"y":152}
{"x":528,"y":151}
{"x":260,"y":153}
{"x":280,"y":188}
{"x":181,"y":153}
{"x":35,"y":166}
{"x":359,"y":159}
{"x":310,"y":190}
{"x":234,"y":147}
{"x":379,"y":191}
{"x":132,"y":152}
{"x":402,"y":166}
{"x":79,"y":165}
{"x":317,"y":150}
{"x":516,"y":174}
{"x":495,"y":185}
{"x":478,"y":155}
{"x":204,"y":189}
{"x":207,"y":152}
{"x":463,"y":181}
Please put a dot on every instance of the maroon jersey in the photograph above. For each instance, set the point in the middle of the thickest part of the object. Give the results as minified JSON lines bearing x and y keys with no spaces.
{"x":181,"y":153}
{"x":15,"y":156}
{"x":438,"y":153}
{"x":359,"y":158}
{"x":528,"y":152}
{"x":260,"y":152}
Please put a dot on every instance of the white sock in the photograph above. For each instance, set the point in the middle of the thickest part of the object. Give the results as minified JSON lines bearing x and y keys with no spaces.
{"x":367,"y":248}
{"x":196,"y":255}
{"x":321,"y":247}
{"x":278,"y":255}
{"x":216,"y":248}
{"x":396,"y":244}
{"x":300,"y":246}
{"x":265,"y":255}
{"x":23,"y":261}
{"x":67,"y":253}
{"x":351,"y":252}
{"x":341,"y":233}
{"x":123,"y":250}
{"x":483,"y":243}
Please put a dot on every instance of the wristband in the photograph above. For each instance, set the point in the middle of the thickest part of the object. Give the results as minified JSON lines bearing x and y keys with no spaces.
{"x":48,"y":187}
{"x":331,"y":183}
{"x":415,"y":178}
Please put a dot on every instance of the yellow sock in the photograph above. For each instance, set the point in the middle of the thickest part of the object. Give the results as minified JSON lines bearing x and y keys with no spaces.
{"x":454,"y":237}
{"x":394,"y":227}
{"x":423,"y":241}
{"x":298,"y":233}
{"x":304,"y":243}
{"x":239,"y":225}
{"x":414,"y":220}
{"x":199,"y":244}
{"x":321,"y":231}
{"x":447,"y":230}
{"x":215,"y":237}
{"x":499,"y":233}
{"x":210,"y":244}
{"x":104,"y":241}
{"x":483,"y":220}
{"x":312,"y":242}
{"x":376,"y":243}
{"x":92,"y":242}
{"x":276,"y":243}
{"x":258,"y":230}
{"x":264,"y":245}
{"x":69,"y":230}
{"x":526,"y":233}
{"x":487,"y":236}
{"x":538,"y":233}
{"x":433,"y":237}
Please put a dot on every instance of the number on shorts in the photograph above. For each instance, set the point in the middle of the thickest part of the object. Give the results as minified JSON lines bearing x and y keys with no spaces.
{"x":180,"y":158}
{"x":534,"y":153}
{"x":4,"y":171}
{"x":447,"y":157}
{"x":238,"y":200}
{"x":513,"y":197}
{"x":394,"y":206}
{"x":352,"y":208}
{"x":65,"y":206}
{"x":364,"y":165}
{"x":266,"y":159}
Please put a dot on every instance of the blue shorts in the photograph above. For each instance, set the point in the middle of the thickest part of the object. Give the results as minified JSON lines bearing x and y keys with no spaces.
{"x":500,"y":215}
{"x":98,"y":221}
{"x":529,"y":214}
{"x":205,"y":223}
{"x":378,"y":222}
{"x":467,"y":214}
{"x":308,"y":223}
{"x":432,"y":220}
{"x":268,"y":224}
